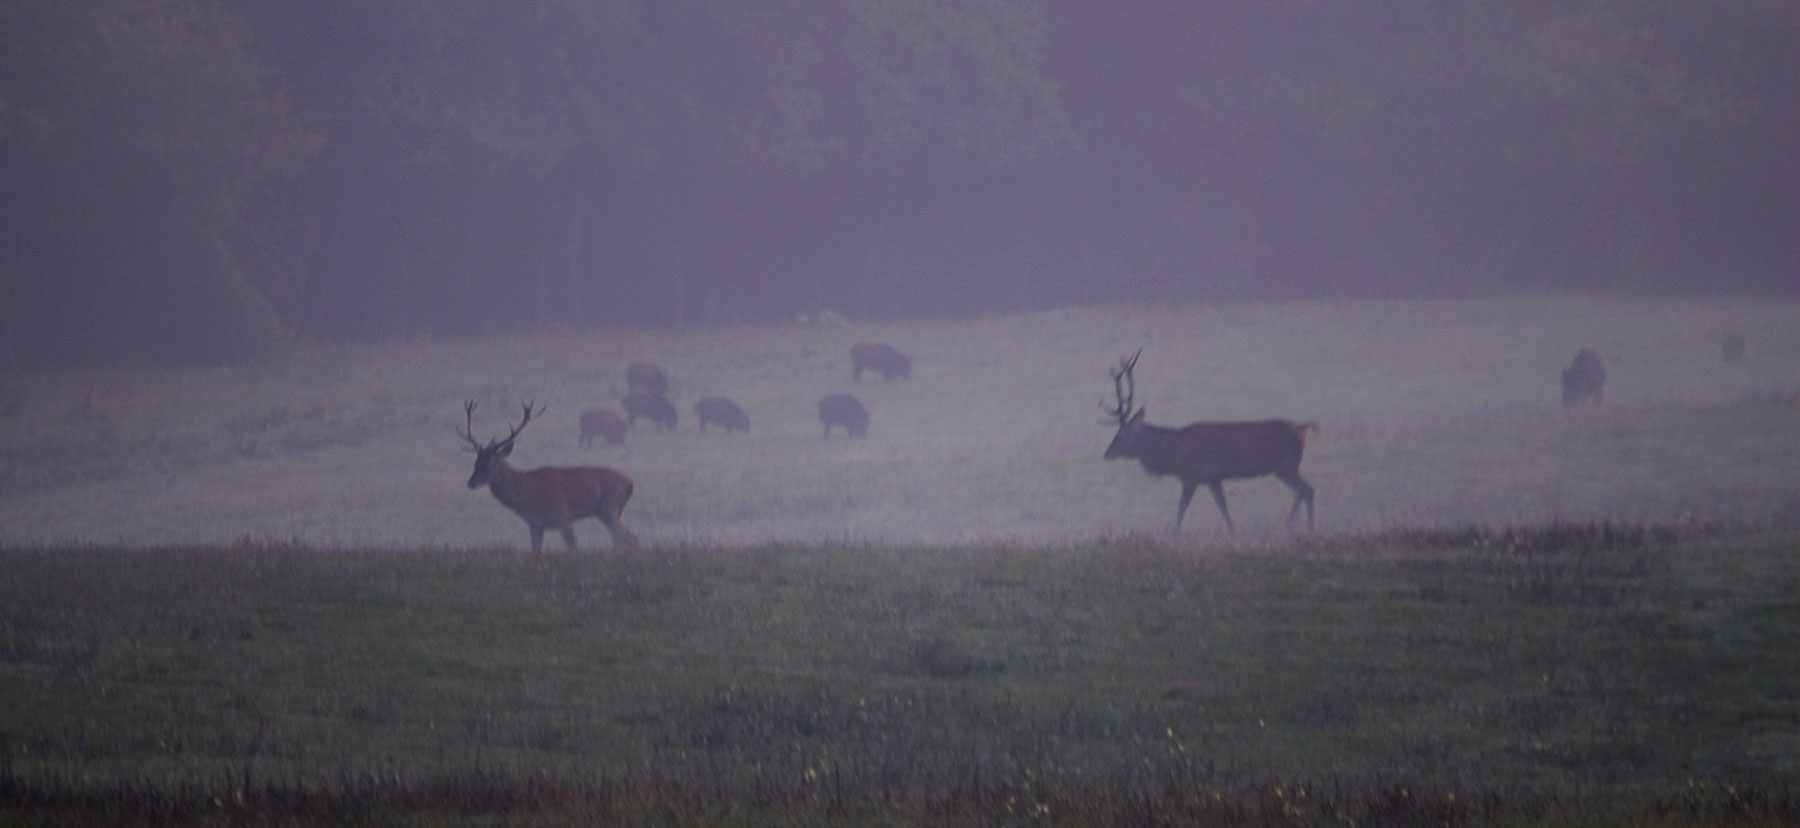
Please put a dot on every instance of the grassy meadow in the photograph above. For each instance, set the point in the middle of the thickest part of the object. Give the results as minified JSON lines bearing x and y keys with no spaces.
{"x":1433,"y":414}
{"x":1556,"y":676}
{"x":265,"y":596}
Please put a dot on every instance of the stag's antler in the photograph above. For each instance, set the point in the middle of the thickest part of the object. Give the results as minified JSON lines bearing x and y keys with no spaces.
{"x":468,"y":431}
{"x":521,"y":426}
{"x":1124,"y":387}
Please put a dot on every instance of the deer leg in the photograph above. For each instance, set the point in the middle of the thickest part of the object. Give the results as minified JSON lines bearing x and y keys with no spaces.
{"x":614,"y":521}
{"x":1303,"y":493}
{"x":537,"y":538}
{"x":568,"y":533}
{"x":1187,"y":494}
{"x":1218,"y":493}
{"x":621,"y":536}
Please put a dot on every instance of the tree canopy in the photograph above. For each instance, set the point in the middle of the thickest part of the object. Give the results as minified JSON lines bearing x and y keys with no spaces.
{"x":198,"y":181}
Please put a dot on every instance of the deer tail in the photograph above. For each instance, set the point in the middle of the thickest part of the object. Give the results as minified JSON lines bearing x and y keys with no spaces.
{"x":1302,"y":428}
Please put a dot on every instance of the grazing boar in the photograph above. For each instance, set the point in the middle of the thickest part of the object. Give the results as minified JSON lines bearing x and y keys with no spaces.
{"x":844,"y":410}
{"x":881,"y":357}
{"x":642,"y":376}
{"x":1584,"y":380}
{"x":602,"y":423}
{"x":654,"y":407}
{"x":722,"y":411}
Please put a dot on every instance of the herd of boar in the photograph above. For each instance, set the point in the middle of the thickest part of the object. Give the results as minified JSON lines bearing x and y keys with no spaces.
{"x":647,"y":396}
{"x":1205,"y":453}
{"x":557,"y":497}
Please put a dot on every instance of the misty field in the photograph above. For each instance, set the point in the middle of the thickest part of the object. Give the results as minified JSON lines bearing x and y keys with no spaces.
{"x":1432,"y":414}
{"x":265,"y":595}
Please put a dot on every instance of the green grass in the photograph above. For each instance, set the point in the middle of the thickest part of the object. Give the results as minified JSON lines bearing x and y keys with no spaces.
{"x":1602,"y":672}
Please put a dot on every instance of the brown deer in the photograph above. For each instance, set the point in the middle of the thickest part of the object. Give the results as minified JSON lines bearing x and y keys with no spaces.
{"x":1210,"y":453}
{"x":553,"y":497}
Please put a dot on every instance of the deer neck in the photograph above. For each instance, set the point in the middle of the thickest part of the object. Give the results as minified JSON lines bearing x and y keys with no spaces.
{"x":1157,"y":449}
{"x":508,"y":486}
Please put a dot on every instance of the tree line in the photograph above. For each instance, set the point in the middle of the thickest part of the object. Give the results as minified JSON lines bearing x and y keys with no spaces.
{"x":190,"y":181}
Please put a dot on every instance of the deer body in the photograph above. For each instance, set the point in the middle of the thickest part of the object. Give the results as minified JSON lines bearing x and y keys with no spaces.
{"x":1212,"y":453}
{"x":554,"y":497}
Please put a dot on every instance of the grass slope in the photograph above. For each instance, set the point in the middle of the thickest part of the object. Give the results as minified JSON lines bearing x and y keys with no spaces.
{"x":1565,"y":675}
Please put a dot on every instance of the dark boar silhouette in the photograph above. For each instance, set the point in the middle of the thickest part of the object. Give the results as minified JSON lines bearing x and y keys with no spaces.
{"x":844,"y":410}
{"x":722,"y":411}
{"x":654,"y":407}
{"x":642,"y":376}
{"x":602,"y":423}
{"x":1584,"y":380}
{"x":880,"y":357}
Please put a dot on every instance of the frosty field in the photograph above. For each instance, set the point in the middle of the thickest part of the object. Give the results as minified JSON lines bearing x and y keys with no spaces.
{"x":1431,"y":414}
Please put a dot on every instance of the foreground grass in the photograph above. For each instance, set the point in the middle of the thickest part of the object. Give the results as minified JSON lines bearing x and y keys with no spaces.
{"x":1550,"y":676}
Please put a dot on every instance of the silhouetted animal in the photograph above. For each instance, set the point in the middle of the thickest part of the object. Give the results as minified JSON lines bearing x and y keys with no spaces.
{"x":554,"y":497}
{"x":722,"y":411}
{"x":1210,"y":453}
{"x":655,"y":407}
{"x":646,"y":377}
{"x":1584,"y":380}
{"x":602,"y":423}
{"x":844,"y":410}
{"x":879,"y":356}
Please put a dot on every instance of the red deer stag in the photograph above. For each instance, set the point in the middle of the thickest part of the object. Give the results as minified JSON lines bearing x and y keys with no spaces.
{"x":553,"y":497}
{"x":1210,"y":453}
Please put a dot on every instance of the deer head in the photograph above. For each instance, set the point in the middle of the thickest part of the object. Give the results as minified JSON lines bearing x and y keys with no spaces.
{"x":490,"y":458}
